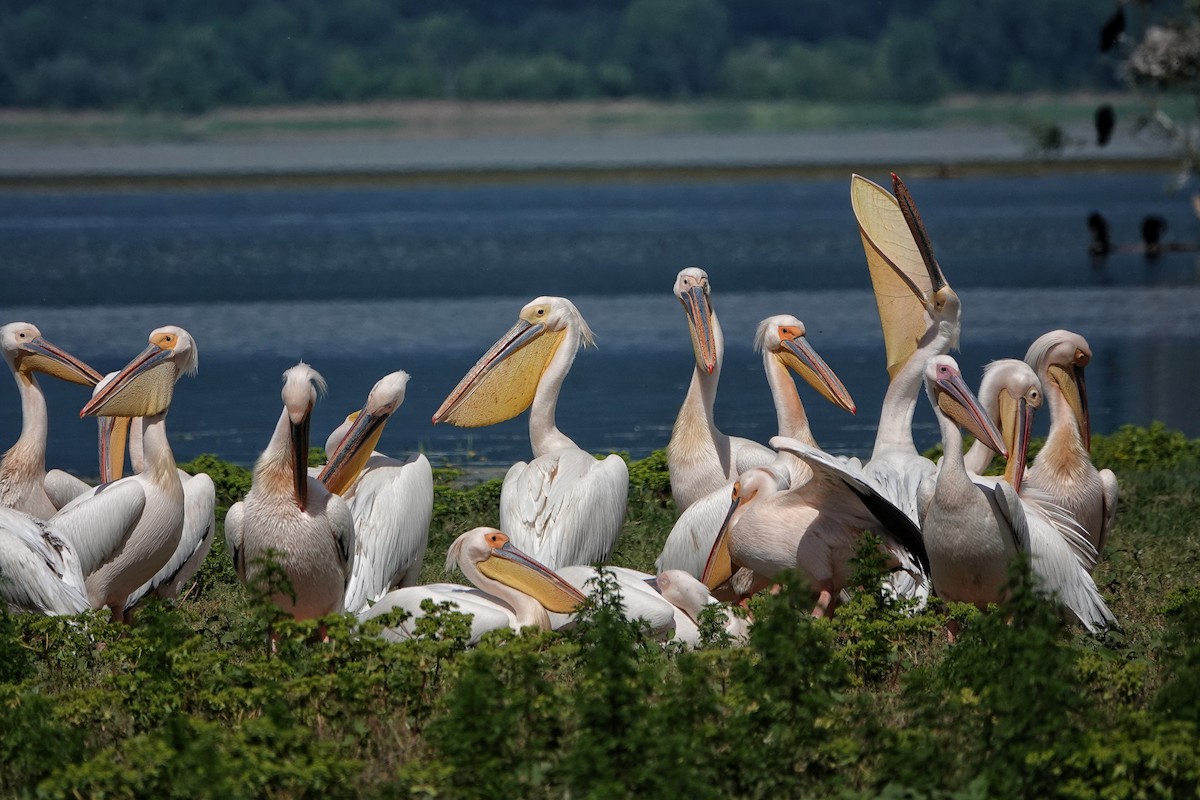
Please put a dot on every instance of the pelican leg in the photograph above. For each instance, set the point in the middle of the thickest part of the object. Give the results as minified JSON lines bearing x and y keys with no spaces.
{"x":826,"y":600}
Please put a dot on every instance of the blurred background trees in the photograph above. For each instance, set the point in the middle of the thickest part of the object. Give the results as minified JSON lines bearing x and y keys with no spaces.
{"x":187,"y":57}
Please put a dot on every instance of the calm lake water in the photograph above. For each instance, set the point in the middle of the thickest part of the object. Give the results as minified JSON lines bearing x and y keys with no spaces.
{"x":360,"y":282}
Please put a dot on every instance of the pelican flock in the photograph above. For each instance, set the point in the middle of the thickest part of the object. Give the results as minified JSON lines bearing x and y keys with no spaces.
{"x":353,"y":536}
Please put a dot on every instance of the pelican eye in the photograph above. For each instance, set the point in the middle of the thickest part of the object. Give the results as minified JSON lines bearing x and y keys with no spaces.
{"x":496,"y":539}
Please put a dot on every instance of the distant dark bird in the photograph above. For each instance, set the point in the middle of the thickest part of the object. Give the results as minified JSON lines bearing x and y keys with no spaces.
{"x":1152,"y":228}
{"x":1106,"y":120}
{"x":1110,"y":34}
{"x":1098,"y":225}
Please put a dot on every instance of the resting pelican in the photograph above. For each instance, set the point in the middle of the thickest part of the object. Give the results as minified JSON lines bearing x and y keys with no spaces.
{"x":23,"y":468}
{"x":1063,"y":468}
{"x":785,"y":349}
{"x":199,"y":523}
{"x":144,"y":388}
{"x":511,"y":589}
{"x":565,"y":506}
{"x":921,"y":318}
{"x":686,"y":592}
{"x":975,"y":526}
{"x":700,"y":458}
{"x":391,"y":500}
{"x":290,"y":518}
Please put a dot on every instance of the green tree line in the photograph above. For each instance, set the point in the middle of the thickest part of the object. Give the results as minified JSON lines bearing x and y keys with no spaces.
{"x":155,"y":56}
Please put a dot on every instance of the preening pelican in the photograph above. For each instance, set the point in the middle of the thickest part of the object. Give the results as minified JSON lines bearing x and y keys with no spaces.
{"x":199,"y":523}
{"x":23,"y":468}
{"x":564,"y":506}
{"x":390,"y":499}
{"x":975,"y":526}
{"x":688,"y":594}
{"x":144,"y":388}
{"x":700,"y":458}
{"x":1063,"y":468}
{"x":291,"y":519}
{"x":511,"y":589}
{"x":785,"y":349}
{"x":921,"y":318}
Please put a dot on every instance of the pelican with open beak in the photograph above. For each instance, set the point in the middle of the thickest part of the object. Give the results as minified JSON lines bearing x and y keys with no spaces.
{"x":390,"y":499}
{"x":565,"y":506}
{"x":24,"y":482}
{"x":292,"y":521}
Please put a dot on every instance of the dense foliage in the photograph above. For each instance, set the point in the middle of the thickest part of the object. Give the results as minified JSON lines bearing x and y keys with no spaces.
{"x":190,"y":56}
{"x":190,"y":701}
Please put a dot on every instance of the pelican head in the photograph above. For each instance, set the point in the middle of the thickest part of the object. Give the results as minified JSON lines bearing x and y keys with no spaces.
{"x":26,"y":352}
{"x":1018,"y":394}
{"x":487,"y":552}
{"x":691,"y":287}
{"x":302,"y":386}
{"x":349,"y":453}
{"x":911,"y":290}
{"x":753,"y":483}
{"x":1059,"y":357}
{"x":503,"y":382}
{"x":784,"y":337}
{"x":949,"y":393}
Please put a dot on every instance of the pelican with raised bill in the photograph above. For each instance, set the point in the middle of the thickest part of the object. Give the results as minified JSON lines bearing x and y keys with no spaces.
{"x":291,"y":521}
{"x":144,"y":388}
{"x":921,"y":317}
{"x":700,"y":458}
{"x":565,"y":506}
{"x":785,"y":350}
{"x":511,"y":590}
{"x":390,"y":499}
{"x":974,"y":526}
{"x":24,"y":482}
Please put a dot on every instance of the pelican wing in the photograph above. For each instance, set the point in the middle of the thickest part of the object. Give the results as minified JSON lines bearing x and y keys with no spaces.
{"x":341,"y":525}
{"x":487,"y":613}
{"x":898,"y":272}
{"x":392,"y":503}
{"x":199,"y":522}
{"x":1053,"y":559}
{"x":34,"y":574}
{"x":234,"y":524}
{"x":1109,"y":507}
{"x":640,"y":601}
{"x":566,"y":507}
{"x":97,"y":523}
{"x":63,"y":487}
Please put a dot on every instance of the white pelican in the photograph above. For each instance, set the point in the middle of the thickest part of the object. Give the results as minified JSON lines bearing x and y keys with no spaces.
{"x":564,"y":506}
{"x":975,"y":526}
{"x":921,"y":318}
{"x":290,"y":518}
{"x":390,"y":499}
{"x":144,"y":388}
{"x":785,"y":349}
{"x":23,"y":468}
{"x":701,"y":459}
{"x":199,"y":523}
{"x":511,"y":589}
{"x":686,"y":592}
{"x":640,"y":599}
{"x":1063,"y":468}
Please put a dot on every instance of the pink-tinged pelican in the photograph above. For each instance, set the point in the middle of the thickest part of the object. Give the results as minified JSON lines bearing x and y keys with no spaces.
{"x":511,"y":590}
{"x":291,"y":519}
{"x":23,"y":477}
{"x":390,"y":499}
{"x":974,"y":526}
{"x":921,"y":318}
{"x":565,"y":506}
{"x":785,"y":349}
{"x":144,"y":388}
{"x":700,"y":458}
{"x":199,"y":519}
{"x":1063,"y":468}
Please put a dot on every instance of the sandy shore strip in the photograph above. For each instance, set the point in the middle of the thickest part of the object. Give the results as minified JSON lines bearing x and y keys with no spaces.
{"x":942,"y":151}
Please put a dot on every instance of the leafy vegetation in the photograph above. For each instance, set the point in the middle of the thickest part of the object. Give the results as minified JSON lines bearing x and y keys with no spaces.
{"x":189,"y":57}
{"x":192,"y":701}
